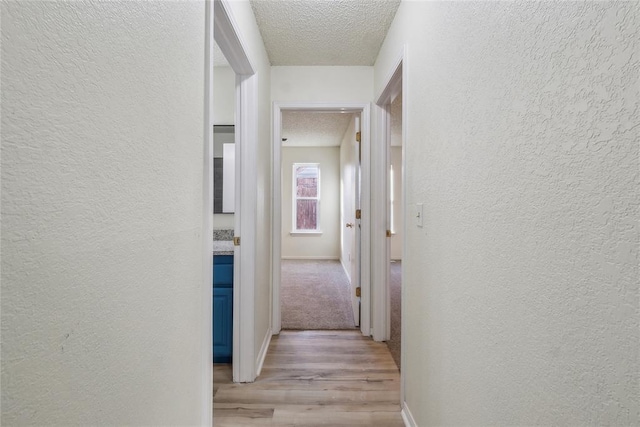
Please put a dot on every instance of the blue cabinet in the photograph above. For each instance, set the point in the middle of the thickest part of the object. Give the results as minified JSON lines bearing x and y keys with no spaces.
{"x":222,"y":271}
{"x":222,"y":308}
{"x":222,"y":325}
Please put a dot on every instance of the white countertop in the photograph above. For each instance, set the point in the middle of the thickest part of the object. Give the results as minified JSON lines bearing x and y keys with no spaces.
{"x":223,"y":247}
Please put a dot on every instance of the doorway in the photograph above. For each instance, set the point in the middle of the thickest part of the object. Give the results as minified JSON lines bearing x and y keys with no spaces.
{"x":280,"y":111}
{"x":396,"y":217}
{"x":221,"y":30}
{"x":318,"y":257}
{"x":391,"y":118}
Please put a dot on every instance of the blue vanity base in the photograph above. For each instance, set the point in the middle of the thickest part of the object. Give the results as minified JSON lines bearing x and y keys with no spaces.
{"x":222,"y":308}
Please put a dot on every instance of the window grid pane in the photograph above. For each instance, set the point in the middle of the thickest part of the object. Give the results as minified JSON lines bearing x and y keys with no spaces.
{"x":306,"y":195}
{"x":307,"y":214}
{"x":307,"y":181}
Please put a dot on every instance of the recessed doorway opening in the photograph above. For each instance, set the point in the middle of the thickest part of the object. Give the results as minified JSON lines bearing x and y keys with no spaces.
{"x":319,"y":153}
{"x":298,"y":229}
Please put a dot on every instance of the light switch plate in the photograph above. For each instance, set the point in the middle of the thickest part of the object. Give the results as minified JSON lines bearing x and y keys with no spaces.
{"x":419,"y":214}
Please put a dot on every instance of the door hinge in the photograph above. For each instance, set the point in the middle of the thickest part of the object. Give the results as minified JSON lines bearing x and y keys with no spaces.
{"x":388,"y":233}
{"x":358,"y":213}
{"x":236,"y":241}
{"x":358,"y":137}
{"x":358,"y":291}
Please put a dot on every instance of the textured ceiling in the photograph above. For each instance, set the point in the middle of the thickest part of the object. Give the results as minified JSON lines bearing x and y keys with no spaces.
{"x":313,"y":129}
{"x":323,"y":32}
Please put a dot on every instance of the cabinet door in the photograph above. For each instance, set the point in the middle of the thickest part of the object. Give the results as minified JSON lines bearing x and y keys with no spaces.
{"x":222,"y":270}
{"x":222,"y":324}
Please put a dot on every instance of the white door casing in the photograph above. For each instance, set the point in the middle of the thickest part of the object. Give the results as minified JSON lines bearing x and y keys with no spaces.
{"x":226,"y":34}
{"x":207,"y":226}
{"x":396,"y":83}
{"x":276,"y":185}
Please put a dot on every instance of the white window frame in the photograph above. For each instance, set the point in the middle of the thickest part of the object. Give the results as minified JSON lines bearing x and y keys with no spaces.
{"x":294,"y":198}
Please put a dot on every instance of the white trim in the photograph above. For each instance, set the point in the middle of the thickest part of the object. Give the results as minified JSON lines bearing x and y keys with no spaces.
{"x":276,"y":224}
{"x":394,"y":80}
{"x":405,"y":218}
{"x":276,"y":218}
{"x":244,"y":304}
{"x":207,"y":226}
{"x":379,"y":240}
{"x":263,"y":351}
{"x":407,"y":416}
{"x":380,"y":211}
{"x":227,"y":35}
{"x":309,"y":233}
{"x":397,"y":81}
{"x":365,"y":223}
{"x":387,"y":265}
{"x":311,"y":258}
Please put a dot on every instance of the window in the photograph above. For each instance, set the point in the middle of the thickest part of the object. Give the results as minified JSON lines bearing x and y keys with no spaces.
{"x":306,"y":197}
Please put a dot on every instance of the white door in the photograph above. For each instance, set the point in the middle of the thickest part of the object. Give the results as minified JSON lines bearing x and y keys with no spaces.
{"x":355,"y":259}
{"x":350,"y":247}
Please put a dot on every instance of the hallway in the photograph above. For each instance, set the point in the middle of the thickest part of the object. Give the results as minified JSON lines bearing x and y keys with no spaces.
{"x":519,"y":223}
{"x":311,"y":378}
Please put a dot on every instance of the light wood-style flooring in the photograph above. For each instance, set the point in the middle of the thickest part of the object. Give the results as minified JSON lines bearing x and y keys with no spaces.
{"x":336,"y":378}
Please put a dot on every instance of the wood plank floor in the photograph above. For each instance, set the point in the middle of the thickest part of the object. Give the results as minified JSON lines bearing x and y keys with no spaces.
{"x":309,"y":378}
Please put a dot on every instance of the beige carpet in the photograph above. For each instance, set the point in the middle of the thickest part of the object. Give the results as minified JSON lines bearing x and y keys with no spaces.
{"x":315,"y":295}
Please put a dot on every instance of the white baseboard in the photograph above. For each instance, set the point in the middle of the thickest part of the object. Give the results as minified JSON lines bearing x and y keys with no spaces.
{"x":263,"y":351}
{"x":407,"y":417}
{"x":320,"y":258}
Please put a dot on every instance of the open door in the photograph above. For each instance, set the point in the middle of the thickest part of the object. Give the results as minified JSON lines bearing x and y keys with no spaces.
{"x":350,"y":203}
{"x":357,"y":238}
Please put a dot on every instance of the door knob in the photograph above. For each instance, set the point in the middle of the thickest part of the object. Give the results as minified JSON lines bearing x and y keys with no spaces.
{"x":350,"y":224}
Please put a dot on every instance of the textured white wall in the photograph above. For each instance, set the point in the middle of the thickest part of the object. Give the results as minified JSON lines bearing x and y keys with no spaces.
{"x":102,"y":145}
{"x":321,"y":84}
{"x":252,"y":41}
{"x":521,"y":290}
{"x":327,"y":245}
{"x":224,"y":91}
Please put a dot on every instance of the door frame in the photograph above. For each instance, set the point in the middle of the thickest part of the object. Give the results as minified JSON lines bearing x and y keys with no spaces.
{"x":207,"y":225}
{"x":276,"y":220}
{"x":395,"y":83}
{"x":226,"y":33}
